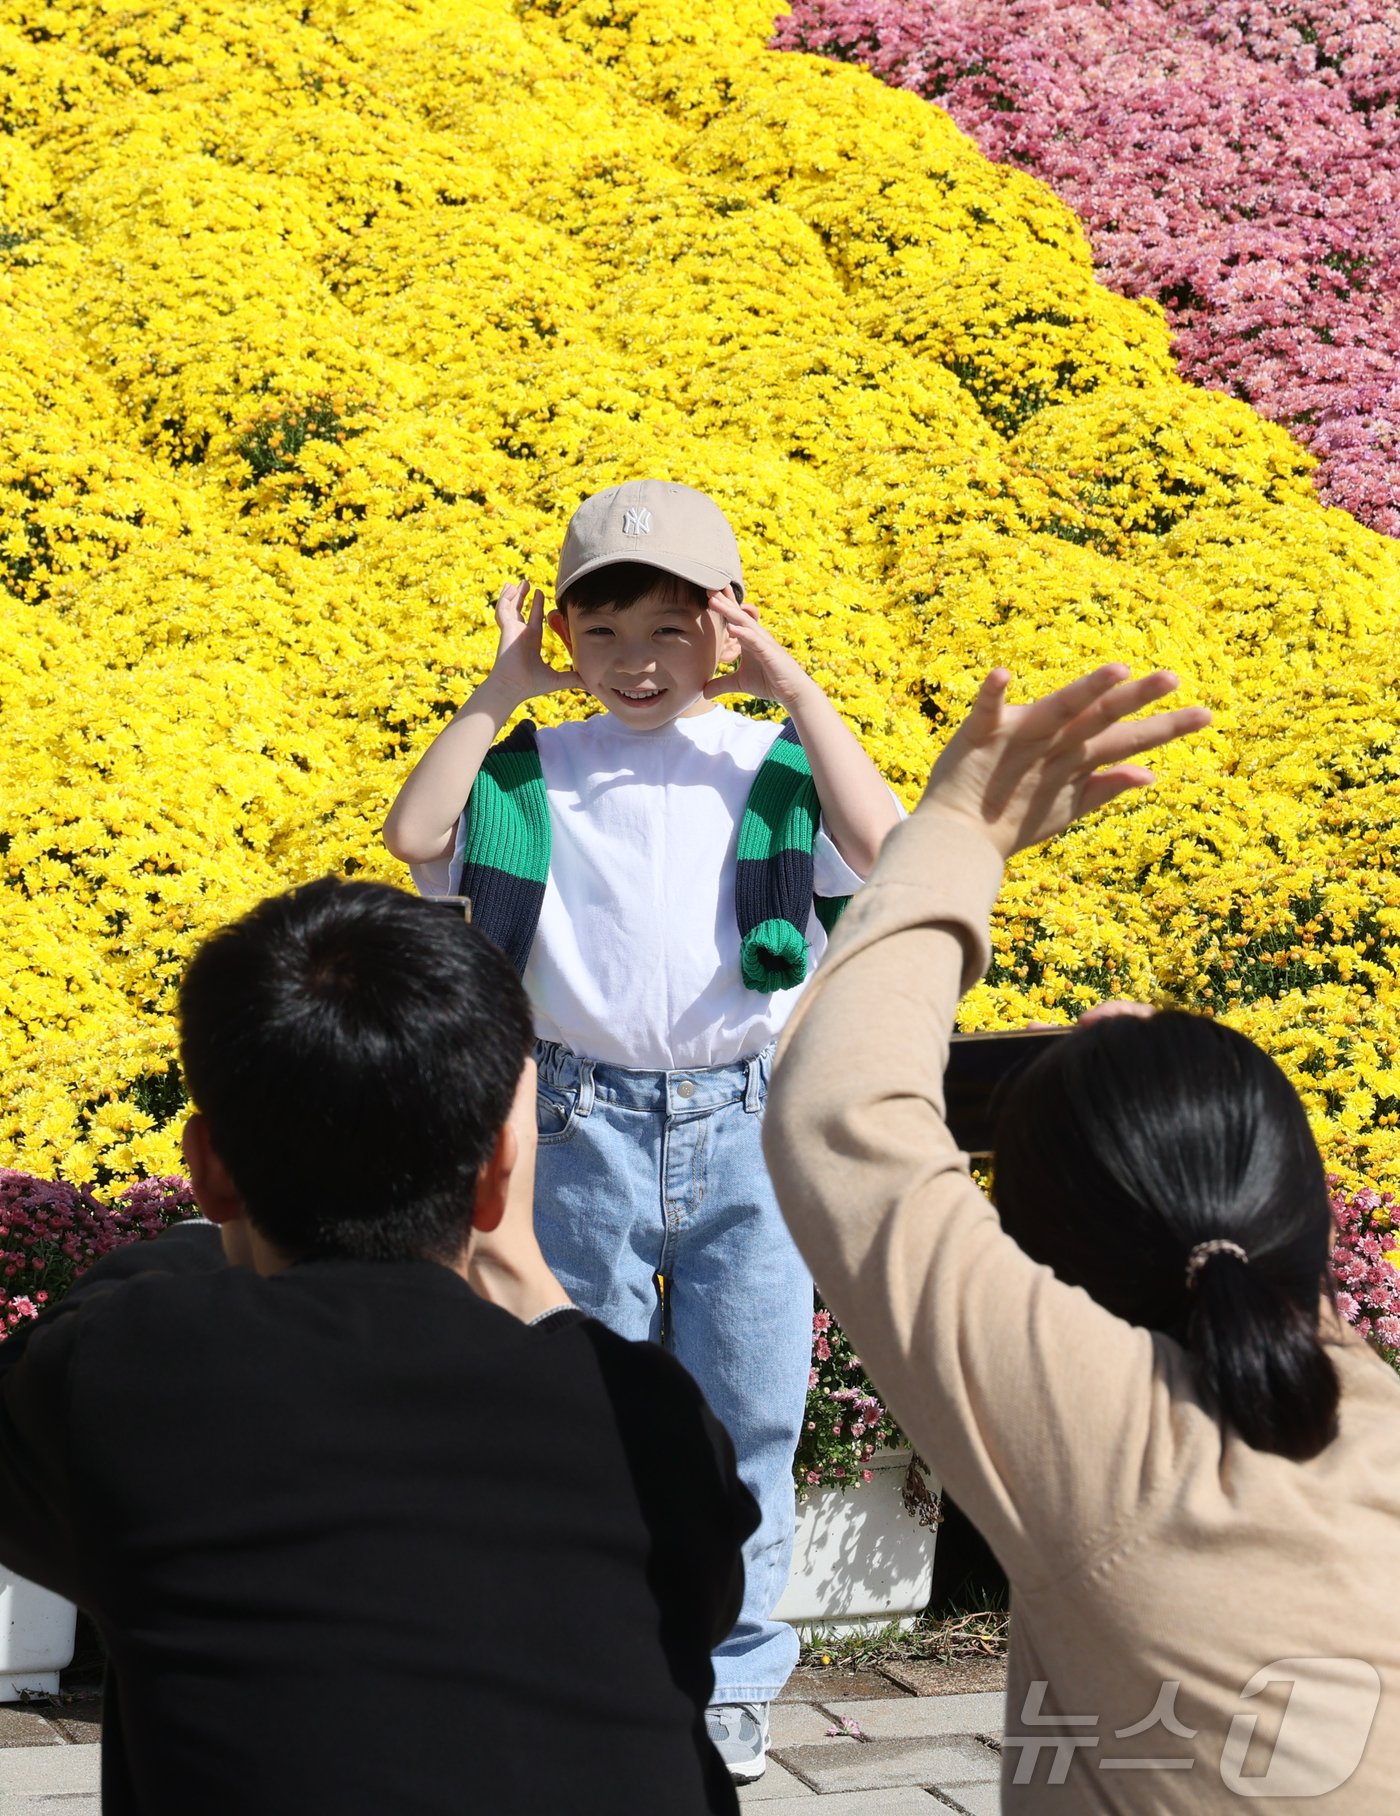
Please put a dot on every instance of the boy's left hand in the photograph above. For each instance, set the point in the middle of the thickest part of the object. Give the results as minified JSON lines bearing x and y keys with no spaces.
{"x":765,"y":669}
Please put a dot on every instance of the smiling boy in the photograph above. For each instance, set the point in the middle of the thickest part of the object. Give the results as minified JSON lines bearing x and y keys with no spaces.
{"x":662,"y":874}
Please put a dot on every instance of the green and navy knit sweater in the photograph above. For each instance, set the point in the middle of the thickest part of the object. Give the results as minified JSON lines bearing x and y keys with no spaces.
{"x":505,"y":850}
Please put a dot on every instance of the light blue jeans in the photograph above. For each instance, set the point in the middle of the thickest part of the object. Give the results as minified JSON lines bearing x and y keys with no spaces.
{"x":647,"y":1174}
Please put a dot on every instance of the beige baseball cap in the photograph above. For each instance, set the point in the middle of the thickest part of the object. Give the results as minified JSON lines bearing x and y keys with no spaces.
{"x":665,"y":525}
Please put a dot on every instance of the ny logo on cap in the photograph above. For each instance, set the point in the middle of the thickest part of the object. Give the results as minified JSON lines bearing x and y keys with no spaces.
{"x":636,"y":521}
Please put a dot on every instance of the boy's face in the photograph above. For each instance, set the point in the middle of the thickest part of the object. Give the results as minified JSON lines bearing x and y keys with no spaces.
{"x":647,"y":664}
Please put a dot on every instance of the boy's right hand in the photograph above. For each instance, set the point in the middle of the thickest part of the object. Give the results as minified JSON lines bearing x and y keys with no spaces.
{"x":421,"y":827}
{"x":520,"y":668}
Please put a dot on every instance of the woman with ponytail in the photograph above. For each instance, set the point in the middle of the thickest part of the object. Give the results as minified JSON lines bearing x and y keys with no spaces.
{"x":1167,"y":1167}
{"x":1130,"y":1373}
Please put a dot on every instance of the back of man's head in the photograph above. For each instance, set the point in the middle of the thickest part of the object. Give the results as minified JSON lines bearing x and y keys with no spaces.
{"x":354,"y":1051}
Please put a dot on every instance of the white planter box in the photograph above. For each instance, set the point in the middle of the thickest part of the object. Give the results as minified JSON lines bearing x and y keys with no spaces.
{"x":859,"y":1561}
{"x":36,"y":1637}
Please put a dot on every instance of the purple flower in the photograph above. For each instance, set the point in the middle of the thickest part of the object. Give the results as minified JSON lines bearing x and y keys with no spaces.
{"x":1367,"y":1282}
{"x":845,"y":1419}
{"x":51,"y":1231}
{"x":1244,"y":173}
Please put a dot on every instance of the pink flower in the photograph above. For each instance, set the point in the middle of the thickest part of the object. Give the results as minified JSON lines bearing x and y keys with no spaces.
{"x":1244,"y":174}
{"x":844,"y":1416}
{"x":1367,"y":1283}
{"x":55,"y":1230}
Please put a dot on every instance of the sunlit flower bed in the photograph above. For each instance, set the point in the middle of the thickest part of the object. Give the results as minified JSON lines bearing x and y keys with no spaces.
{"x":1240,"y":164}
{"x":50,"y":1232}
{"x":319,"y":320}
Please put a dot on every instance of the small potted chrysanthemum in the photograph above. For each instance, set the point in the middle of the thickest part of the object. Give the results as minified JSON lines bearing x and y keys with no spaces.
{"x":866,"y":1514}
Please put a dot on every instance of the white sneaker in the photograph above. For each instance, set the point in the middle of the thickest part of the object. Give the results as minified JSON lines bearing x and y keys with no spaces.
{"x":740,"y":1735}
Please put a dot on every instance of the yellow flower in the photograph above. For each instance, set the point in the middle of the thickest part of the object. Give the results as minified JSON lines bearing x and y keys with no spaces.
{"x":316,"y":329}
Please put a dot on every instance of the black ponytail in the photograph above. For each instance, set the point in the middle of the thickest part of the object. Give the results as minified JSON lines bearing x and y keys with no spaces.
{"x":1258,"y":1359}
{"x":1134,"y":1140}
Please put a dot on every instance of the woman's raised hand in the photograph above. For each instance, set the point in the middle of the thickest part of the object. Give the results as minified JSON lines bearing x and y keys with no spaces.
{"x":1024,"y":773}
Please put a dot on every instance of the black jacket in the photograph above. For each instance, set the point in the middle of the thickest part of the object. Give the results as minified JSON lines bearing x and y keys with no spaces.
{"x":359,"y":1542}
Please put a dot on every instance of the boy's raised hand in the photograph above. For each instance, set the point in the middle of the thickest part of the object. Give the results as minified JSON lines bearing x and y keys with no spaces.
{"x":520,"y":666}
{"x":1024,"y":773}
{"x":765,"y":669}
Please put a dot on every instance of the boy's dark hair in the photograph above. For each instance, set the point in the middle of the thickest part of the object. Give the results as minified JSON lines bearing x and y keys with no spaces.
{"x":622,"y":583}
{"x":1131,"y":1141}
{"x":355,"y":1051}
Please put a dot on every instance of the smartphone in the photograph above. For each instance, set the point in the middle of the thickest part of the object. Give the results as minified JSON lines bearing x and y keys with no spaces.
{"x":978,"y":1065}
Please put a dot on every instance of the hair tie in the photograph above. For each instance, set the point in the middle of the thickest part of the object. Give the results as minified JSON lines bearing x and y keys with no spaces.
{"x":1202,"y":1253}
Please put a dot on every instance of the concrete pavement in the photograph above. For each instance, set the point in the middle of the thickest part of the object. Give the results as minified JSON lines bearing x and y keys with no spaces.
{"x":51,"y":1777}
{"x":903,"y":1740}
{"x":894,"y":1754}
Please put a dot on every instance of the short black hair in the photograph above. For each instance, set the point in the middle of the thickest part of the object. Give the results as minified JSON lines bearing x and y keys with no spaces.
{"x":1132,"y":1140}
{"x":622,"y":583}
{"x":355,"y":1051}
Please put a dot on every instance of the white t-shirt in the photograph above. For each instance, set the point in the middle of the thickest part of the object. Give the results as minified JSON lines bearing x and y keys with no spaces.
{"x":636,"y":958}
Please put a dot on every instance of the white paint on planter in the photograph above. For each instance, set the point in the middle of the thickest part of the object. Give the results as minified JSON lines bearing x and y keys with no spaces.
{"x":859,"y":1561}
{"x":37,"y":1631}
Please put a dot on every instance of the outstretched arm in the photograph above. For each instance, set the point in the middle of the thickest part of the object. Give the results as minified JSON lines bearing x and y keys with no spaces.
{"x":995,"y":1368}
{"x":857,"y":807}
{"x":423,"y":818}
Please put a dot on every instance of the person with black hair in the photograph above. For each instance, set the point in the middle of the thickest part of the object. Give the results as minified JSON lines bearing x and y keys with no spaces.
{"x":369,"y":1517}
{"x":1167,"y":1167}
{"x":1130,"y":1374}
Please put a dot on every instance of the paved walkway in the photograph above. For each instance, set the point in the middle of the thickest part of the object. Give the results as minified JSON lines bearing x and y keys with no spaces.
{"x":865,"y":1745}
{"x":894,"y":1742}
{"x":49,"y":1760}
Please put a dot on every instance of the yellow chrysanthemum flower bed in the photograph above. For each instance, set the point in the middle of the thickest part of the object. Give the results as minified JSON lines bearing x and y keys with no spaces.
{"x":319,"y":320}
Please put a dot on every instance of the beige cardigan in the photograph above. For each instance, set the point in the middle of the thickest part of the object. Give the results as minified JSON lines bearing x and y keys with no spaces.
{"x":1144,"y":1548}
